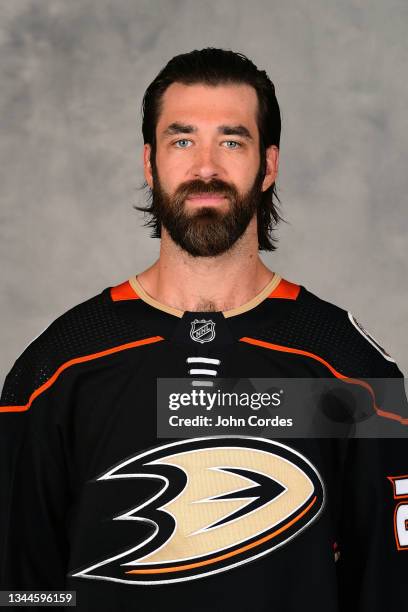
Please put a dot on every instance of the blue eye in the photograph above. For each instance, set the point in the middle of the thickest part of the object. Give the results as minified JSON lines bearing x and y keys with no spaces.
{"x":179,"y":144}
{"x":233,"y":142}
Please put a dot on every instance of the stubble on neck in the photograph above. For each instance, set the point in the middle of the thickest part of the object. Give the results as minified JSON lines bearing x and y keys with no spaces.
{"x":205,"y":306}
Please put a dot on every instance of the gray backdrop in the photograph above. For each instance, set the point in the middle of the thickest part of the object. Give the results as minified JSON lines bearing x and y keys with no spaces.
{"x":73,"y":73}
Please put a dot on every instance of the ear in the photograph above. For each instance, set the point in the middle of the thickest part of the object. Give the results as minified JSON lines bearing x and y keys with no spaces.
{"x":272,"y":164}
{"x":147,"y":167}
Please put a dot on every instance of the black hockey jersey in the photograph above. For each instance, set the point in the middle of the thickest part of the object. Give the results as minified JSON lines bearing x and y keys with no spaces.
{"x":93,"y":501}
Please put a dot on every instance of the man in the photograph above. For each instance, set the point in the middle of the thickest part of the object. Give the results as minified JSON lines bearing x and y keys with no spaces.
{"x":95,"y":501}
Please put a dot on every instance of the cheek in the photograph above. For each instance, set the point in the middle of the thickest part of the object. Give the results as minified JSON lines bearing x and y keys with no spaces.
{"x":172,"y":169}
{"x":163,"y":173}
{"x":244,"y":171}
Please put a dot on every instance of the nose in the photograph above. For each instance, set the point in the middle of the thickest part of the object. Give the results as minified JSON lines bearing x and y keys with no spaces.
{"x":205,"y":165}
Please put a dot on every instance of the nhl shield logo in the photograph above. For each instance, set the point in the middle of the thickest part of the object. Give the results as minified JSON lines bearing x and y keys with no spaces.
{"x":202,"y":330}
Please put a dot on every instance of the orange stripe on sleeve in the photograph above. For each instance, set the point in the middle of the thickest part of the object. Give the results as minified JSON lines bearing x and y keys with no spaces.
{"x":72,"y":362}
{"x":354,"y":381}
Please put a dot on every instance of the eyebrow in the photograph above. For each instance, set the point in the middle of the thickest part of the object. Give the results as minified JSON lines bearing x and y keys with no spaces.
{"x":226,"y":130}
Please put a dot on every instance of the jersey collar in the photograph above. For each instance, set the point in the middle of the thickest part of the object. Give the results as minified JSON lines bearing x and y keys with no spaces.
{"x":266,"y":292}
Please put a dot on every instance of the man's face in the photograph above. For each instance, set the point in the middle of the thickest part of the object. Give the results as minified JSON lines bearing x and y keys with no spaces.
{"x":205,"y":178}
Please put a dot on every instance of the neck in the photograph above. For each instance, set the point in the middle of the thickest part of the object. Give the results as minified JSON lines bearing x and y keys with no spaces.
{"x":203,"y":284}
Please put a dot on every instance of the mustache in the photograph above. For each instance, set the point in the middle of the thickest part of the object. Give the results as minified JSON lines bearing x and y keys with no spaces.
{"x":198,"y":186}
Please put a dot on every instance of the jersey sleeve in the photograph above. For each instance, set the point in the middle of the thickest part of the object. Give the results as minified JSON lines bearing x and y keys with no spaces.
{"x":38,"y":473}
{"x":33,"y":480}
{"x":373,"y":529}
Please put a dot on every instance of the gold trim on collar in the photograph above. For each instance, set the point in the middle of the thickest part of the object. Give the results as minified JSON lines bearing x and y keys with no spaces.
{"x":257,"y":299}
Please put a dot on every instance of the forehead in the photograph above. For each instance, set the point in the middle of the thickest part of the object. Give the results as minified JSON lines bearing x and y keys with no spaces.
{"x":207,"y":105}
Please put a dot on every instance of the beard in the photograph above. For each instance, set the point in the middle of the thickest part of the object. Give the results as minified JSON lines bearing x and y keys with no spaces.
{"x":205,"y":231}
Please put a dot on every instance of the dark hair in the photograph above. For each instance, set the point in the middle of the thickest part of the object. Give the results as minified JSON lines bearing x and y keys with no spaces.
{"x":216,"y":67}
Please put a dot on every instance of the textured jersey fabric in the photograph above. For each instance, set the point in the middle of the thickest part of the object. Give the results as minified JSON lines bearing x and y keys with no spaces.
{"x":93,"y":501}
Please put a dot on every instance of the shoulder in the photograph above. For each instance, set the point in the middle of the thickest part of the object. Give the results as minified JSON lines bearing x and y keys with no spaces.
{"x":333,"y":334}
{"x":86,"y":330}
{"x":344,"y":338}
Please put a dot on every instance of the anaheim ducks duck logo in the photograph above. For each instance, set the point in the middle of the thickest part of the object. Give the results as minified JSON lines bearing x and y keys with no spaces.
{"x":221,"y":502}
